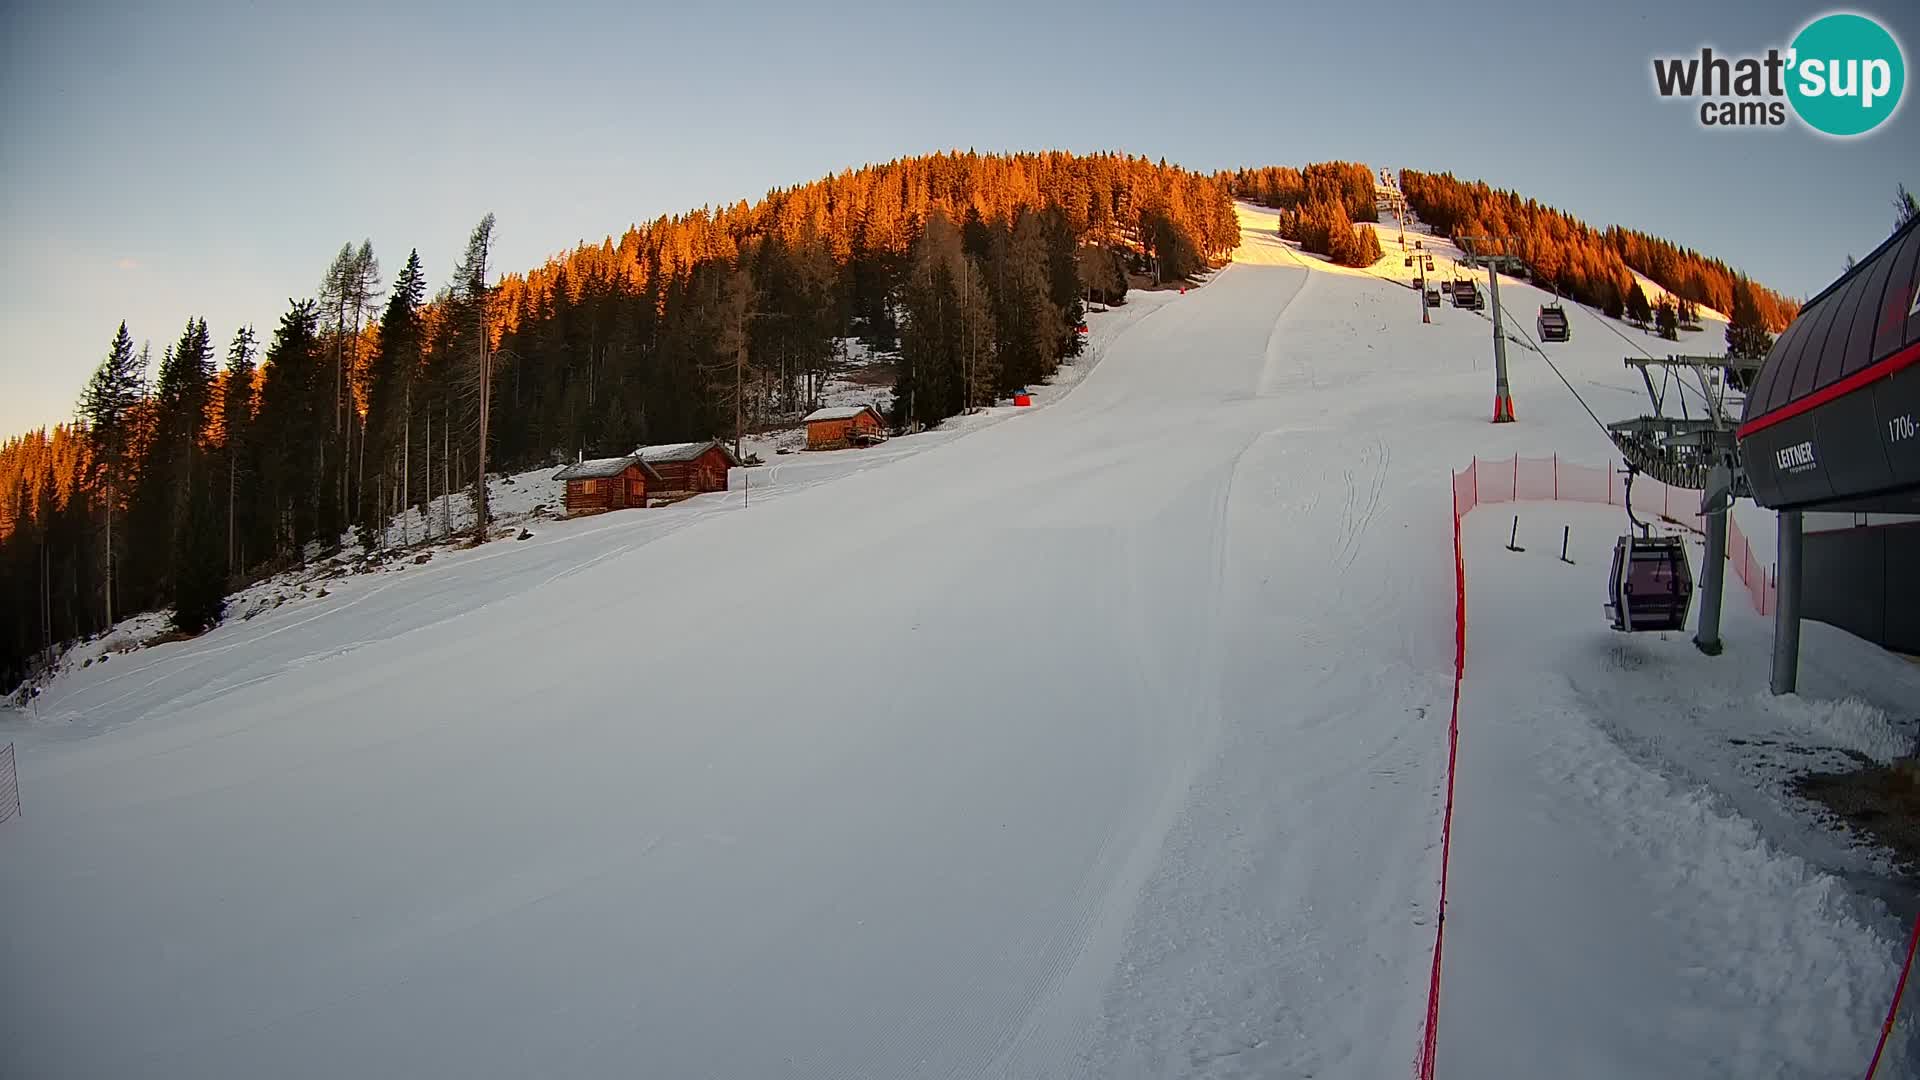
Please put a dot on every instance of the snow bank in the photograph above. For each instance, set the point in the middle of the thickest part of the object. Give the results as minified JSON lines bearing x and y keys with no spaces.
{"x":1850,"y":724}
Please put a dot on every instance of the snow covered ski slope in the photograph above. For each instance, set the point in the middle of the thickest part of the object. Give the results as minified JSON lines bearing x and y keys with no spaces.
{"x":1103,"y":740}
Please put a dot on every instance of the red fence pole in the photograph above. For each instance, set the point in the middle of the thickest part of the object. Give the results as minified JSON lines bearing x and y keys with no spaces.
{"x":1556,"y":476}
{"x":1430,"y":1037}
{"x":1899,"y":988}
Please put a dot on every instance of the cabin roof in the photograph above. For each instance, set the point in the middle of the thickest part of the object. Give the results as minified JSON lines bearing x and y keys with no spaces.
{"x":679,"y":453}
{"x":598,"y":468}
{"x":1861,"y":320}
{"x":840,"y":412}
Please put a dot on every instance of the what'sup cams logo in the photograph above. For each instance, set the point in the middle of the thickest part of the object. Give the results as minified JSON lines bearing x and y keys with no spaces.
{"x":1843,"y":75}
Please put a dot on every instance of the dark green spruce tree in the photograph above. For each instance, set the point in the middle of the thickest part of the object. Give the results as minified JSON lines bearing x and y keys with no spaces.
{"x":293,"y":420}
{"x":391,"y":406}
{"x":106,"y":408}
{"x":1639,"y":311}
{"x":182,"y":398}
{"x":1667,"y":320}
{"x":1747,"y":336}
{"x":1031,"y":329}
{"x":199,"y":575}
{"x":240,"y":460}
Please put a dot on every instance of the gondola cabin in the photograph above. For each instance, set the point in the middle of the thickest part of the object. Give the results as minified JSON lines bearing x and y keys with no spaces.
{"x":838,"y":428}
{"x":1433,"y":296}
{"x":1553,"y":323}
{"x":1466,"y":294}
{"x":1651,"y":584}
{"x":616,"y":483}
{"x":689,"y":468}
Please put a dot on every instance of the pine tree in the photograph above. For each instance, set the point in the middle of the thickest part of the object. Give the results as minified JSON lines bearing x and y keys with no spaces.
{"x":292,"y":422}
{"x":199,"y":580}
{"x":1905,"y":207}
{"x":107,"y":407}
{"x":1747,"y":336}
{"x":1613,"y":302}
{"x":1667,"y":320}
{"x":236,"y":425}
{"x":1063,"y":275}
{"x":1689,"y":314}
{"x":346,"y":294}
{"x":718,"y":313}
{"x":949,"y":359}
{"x":182,"y":398}
{"x":1639,"y":312}
{"x":469,"y":319}
{"x":1100,"y":275}
{"x":1030,"y":327}
{"x":392,"y":370}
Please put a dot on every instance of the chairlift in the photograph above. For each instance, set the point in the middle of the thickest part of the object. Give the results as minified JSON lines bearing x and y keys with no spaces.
{"x":1650,"y":586}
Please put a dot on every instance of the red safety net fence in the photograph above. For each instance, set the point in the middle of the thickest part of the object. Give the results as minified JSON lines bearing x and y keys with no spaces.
{"x":1430,"y":1036}
{"x":1548,"y":479}
{"x":1523,"y":479}
{"x":9,"y":785}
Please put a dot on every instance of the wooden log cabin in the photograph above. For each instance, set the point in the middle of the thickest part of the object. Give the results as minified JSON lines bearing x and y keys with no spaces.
{"x":835,"y":429}
{"x":608,"y":484}
{"x":689,"y":468}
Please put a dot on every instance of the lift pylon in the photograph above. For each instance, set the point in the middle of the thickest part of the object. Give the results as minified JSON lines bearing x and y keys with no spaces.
{"x":1495,"y":251}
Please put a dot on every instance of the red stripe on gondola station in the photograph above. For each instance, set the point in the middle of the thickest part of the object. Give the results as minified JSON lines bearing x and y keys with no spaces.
{"x":1866,"y":376}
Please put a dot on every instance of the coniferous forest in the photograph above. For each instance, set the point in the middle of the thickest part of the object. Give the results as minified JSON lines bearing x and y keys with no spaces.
{"x":231,"y":457}
{"x":1587,"y":264}
{"x":1319,"y":206}
{"x":235,"y":454}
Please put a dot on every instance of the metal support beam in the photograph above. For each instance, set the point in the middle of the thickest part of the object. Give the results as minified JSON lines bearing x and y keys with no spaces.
{"x":1713,"y":580}
{"x":1480,"y":249}
{"x":1786,"y":616}
{"x":1502,"y":393}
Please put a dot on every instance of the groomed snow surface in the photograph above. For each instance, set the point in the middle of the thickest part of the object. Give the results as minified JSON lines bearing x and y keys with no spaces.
{"x":1103,"y":738}
{"x":1629,"y":872}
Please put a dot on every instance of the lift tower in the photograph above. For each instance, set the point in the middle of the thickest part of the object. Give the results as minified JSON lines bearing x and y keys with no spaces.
{"x":1496,"y":252}
{"x":1698,"y":452}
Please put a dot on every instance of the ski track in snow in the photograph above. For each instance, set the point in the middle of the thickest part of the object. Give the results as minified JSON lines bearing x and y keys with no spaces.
{"x":1104,"y":739}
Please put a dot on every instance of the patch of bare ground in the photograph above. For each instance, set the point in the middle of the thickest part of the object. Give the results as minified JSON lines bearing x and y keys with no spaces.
{"x":1881,"y":803}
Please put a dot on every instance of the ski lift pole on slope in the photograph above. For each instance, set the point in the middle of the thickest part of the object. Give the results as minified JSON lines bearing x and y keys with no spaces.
{"x":1481,"y":247}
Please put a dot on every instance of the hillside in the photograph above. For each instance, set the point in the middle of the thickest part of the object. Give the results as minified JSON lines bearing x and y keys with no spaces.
{"x":1103,"y":738}
{"x":1595,"y":266}
{"x":934,"y":285}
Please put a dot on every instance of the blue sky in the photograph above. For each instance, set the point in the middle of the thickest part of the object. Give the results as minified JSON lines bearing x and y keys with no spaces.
{"x":163,"y":161}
